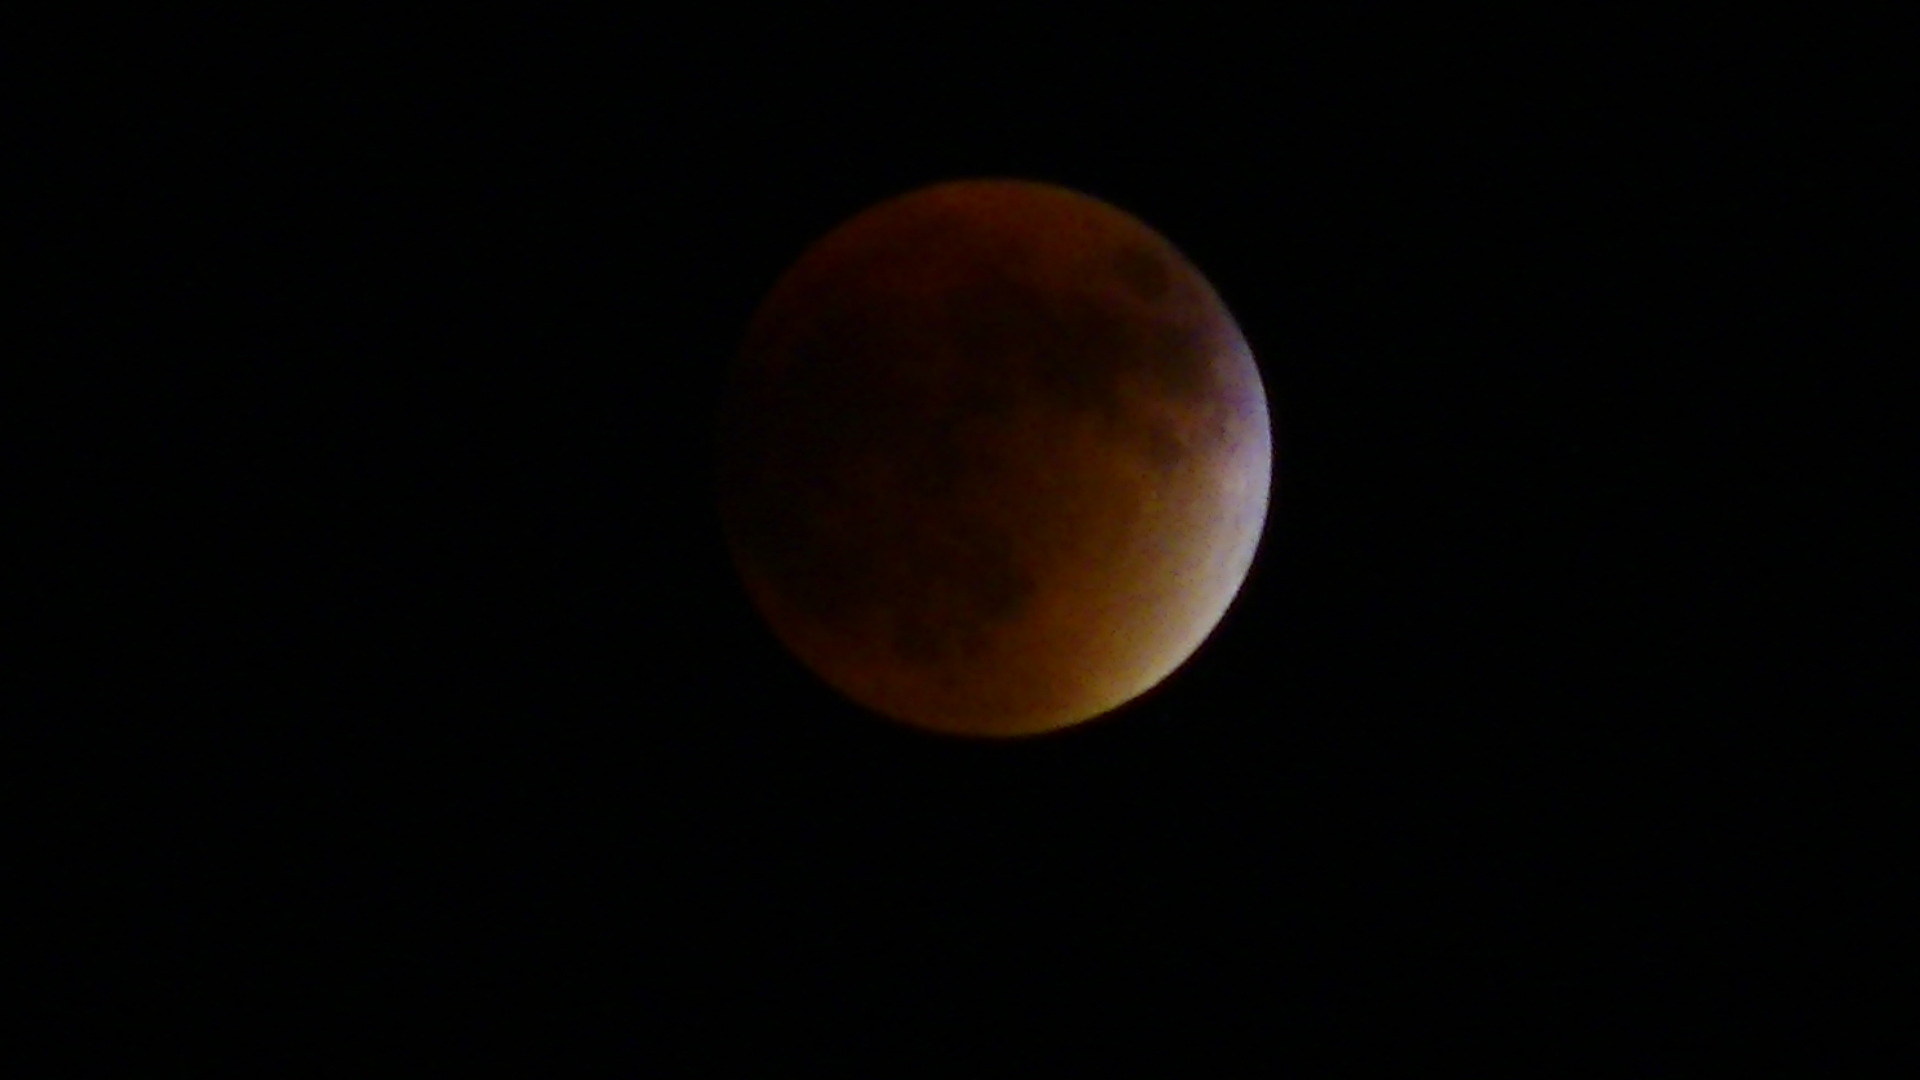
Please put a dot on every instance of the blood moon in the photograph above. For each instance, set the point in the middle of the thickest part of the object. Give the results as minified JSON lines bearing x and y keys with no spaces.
{"x":994,"y":459}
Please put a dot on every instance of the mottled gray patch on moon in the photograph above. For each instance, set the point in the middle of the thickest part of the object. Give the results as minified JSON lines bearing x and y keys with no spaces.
{"x":1143,"y":270}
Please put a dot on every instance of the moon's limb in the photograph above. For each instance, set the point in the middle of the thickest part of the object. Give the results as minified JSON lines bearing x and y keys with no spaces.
{"x":996,"y":458}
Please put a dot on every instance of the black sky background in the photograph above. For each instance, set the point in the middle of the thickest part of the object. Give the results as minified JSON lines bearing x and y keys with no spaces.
{"x":410,"y":696}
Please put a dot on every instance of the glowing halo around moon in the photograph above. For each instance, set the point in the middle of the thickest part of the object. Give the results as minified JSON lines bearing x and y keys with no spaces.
{"x":995,"y":458}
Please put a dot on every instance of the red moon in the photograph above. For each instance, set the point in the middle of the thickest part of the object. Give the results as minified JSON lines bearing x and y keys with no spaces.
{"x":995,"y":458}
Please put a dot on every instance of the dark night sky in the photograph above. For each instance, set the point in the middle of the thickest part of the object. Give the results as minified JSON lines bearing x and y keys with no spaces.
{"x":417,"y":699}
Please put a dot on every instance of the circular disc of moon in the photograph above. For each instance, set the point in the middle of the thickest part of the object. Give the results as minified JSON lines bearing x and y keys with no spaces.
{"x":995,"y":458}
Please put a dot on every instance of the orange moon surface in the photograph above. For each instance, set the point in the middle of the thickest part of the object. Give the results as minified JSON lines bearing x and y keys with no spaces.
{"x":995,"y":458}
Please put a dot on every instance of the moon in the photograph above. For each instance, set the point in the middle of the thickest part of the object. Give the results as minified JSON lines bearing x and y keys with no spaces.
{"x":994,"y":459}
